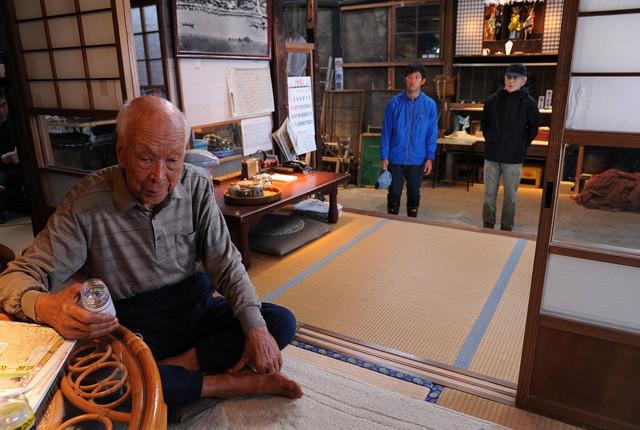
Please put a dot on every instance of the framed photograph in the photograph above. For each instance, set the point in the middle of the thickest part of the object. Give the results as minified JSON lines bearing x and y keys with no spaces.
{"x":222,"y":28}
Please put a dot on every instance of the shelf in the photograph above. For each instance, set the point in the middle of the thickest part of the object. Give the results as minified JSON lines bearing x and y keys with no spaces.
{"x":477,"y":107}
{"x":529,"y":60}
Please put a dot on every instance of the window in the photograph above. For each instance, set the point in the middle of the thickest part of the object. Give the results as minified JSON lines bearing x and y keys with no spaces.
{"x":417,"y":32}
{"x":148,"y":44}
{"x":70,"y":54}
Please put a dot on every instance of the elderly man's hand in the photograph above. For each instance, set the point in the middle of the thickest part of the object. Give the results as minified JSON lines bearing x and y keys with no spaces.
{"x":260,"y":351}
{"x":62,"y":312}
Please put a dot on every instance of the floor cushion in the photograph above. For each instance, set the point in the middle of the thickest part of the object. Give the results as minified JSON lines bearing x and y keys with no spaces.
{"x":279,"y":234}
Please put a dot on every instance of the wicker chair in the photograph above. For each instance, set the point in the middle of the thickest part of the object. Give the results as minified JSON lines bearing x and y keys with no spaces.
{"x":133,"y":380}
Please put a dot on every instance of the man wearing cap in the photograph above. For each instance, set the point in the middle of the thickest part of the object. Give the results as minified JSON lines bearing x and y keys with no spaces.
{"x":510,"y":121}
{"x":408,"y":140}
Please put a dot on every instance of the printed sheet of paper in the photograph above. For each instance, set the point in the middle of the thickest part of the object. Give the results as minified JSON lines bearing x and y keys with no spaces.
{"x":250,"y":91}
{"x":301,"y":125}
{"x":31,"y":356}
{"x":256,"y":135}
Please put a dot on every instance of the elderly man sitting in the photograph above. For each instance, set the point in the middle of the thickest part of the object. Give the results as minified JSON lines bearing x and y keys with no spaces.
{"x":143,"y":226}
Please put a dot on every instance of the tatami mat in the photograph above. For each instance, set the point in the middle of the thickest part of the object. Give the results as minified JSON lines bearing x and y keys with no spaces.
{"x":410,"y":287}
{"x":501,"y":347}
{"x":498,"y":413}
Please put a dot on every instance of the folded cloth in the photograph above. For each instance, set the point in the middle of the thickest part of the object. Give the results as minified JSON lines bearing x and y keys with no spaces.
{"x":384,"y":180}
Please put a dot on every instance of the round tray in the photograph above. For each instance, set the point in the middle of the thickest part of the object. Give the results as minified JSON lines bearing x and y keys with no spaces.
{"x":271,"y":194}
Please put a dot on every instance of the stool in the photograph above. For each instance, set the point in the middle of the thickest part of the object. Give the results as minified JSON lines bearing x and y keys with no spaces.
{"x":531,"y":176}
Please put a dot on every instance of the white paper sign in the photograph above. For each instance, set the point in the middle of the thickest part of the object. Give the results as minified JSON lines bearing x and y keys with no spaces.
{"x":256,"y":135}
{"x":301,"y":125}
{"x":250,"y":91}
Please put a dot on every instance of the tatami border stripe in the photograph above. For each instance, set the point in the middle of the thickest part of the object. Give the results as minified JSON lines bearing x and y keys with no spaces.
{"x":434,"y":389}
{"x":468,"y":350}
{"x":276,"y":294}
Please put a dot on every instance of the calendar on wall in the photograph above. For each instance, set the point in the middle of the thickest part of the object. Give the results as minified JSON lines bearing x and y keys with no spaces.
{"x":301,"y":126}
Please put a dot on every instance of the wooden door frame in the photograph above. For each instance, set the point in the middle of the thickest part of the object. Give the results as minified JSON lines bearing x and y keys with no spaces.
{"x":540,"y":328}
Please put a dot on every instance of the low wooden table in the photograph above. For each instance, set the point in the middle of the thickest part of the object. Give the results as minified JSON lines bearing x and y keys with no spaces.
{"x":241,"y":218}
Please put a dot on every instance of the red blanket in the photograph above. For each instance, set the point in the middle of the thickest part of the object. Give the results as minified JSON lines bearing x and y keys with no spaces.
{"x":612,"y":189}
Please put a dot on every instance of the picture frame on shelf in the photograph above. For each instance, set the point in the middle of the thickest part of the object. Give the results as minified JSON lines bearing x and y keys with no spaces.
{"x":218,"y":28}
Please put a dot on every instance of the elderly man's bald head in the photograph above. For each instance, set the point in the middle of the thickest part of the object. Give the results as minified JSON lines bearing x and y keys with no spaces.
{"x":152,"y":135}
{"x":149,"y":112}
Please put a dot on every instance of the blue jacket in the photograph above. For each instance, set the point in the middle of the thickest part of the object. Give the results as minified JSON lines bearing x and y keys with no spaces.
{"x":409,"y":130}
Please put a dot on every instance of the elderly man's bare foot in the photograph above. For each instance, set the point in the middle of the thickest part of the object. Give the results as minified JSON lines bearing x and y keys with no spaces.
{"x":246,"y":382}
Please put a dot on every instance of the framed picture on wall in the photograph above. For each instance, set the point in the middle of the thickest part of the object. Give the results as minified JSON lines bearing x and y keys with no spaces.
{"x":222,"y":28}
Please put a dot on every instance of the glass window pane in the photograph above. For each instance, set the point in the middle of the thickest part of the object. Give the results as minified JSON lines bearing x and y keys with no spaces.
{"x":153,"y":45}
{"x":366,"y":79}
{"x":406,"y":19}
{"x":602,"y":209}
{"x":364,"y":35}
{"x":26,"y":9}
{"x":142,"y":73}
{"x":32,"y":35}
{"x":429,"y":18}
{"x":428,"y":45}
{"x":69,"y":64}
{"x":139,"y":40}
{"x":81,"y":142}
{"x":38,"y":65}
{"x":64,"y":32}
{"x":150,"y":18}
{"x":405,"y":47}
{"x":98,"y":28}
{"x":103,"y":62}
{"x":157,"y":76}
{"x":137,"y":21}
{"x":58,"y":7}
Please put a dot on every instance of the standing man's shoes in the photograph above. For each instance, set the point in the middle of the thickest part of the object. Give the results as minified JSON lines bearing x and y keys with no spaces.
{"x":393,"y":210}
{"x":506,"y":228}
{"x":487,"y":225}
{"x":412,"y":212}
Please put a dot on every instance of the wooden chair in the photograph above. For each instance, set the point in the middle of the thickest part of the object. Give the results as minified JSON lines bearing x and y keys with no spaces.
{"x":134,"y":379}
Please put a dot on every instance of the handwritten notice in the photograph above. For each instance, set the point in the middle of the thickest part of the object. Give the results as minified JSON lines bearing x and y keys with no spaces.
{"x":250,"y":91}
{"x":256,"y":135}
{"x":301,"y":125}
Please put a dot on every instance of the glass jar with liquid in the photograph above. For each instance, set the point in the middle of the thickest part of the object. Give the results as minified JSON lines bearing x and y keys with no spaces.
{"x":95,"y":297}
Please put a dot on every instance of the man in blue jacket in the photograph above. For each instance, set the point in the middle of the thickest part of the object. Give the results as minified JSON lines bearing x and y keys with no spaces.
{"x":510,"y":120}
{"x":408,"y":141}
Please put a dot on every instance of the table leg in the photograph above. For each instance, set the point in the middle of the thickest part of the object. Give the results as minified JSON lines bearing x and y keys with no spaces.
{"x":333,"y":204}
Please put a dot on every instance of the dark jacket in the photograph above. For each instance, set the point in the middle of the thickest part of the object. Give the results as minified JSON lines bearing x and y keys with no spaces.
{"x":509,"y":124}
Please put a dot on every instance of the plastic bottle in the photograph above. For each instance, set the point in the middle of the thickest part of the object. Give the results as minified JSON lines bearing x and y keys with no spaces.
{"x":95,"y":297}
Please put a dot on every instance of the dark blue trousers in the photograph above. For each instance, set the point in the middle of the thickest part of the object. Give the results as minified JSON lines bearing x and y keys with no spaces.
{"x":179,"y":317}
{"x":413,"y":175}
